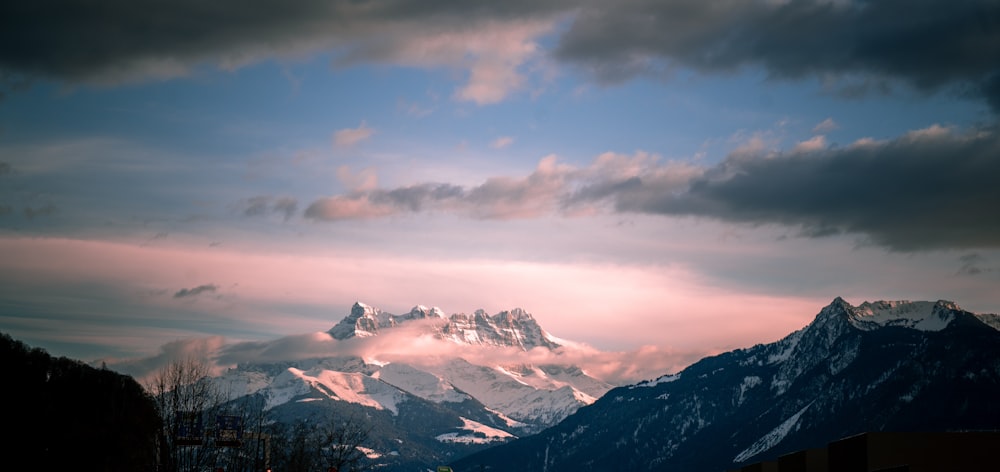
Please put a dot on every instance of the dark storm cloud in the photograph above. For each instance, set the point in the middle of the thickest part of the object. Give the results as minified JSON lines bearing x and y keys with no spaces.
{"x":929,"y":44}
{"x":113,"y":40}
{"x":195,"y":291}
{"x":925,"y":190}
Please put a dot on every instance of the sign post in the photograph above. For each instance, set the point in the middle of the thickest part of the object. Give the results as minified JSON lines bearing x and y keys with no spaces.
{"x":228,"y":430}
{"x":190,"y":430}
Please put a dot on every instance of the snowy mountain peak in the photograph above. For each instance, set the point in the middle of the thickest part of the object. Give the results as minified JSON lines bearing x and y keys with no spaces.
{"x":363,"y":321}
{"x":921,"y":315}
{"x":841,"y":374}
{"x":822,"y":342}
{"x":422,"y":312}
{"x":360,"y":309}
{"x":510,"y":328}
{"x":513,"y":328}
{"x":366,"y":320}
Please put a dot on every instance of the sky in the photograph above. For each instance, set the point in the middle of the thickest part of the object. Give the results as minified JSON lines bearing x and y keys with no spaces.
{"x":676,"y":178}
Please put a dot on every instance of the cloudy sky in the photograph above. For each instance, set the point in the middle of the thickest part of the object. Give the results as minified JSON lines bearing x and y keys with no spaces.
{"x":686,"y":176}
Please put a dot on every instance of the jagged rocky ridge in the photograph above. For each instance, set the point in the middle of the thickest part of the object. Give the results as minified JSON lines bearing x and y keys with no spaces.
{"x":514,"y":328}
{"x":882,"y":366}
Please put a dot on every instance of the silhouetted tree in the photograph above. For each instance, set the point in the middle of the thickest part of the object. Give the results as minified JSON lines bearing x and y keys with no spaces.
{"x":184,"y":397}
{"x":74,"y":416}
{"x":307,"y":445}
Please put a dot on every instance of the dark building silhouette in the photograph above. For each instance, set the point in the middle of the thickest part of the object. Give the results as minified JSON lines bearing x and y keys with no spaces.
{"x":809,"y":460}
{"x":894,"y":452}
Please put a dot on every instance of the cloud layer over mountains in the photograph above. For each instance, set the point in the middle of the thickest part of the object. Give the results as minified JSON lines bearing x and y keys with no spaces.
{"x":413,"y":343}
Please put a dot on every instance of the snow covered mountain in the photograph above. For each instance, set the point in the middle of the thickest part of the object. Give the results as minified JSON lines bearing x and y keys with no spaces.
{"x":531,"y":396}
{"x":479,"y":387}
{"x":366,"y":321}
{"x":514,"y":328}
{"x":882,"y":366}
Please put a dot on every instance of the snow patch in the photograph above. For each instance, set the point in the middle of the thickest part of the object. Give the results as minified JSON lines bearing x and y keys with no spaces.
{"x":348,"y":387}
{"x":788,"y":347}
{"x":748,"y":383}
{"x":368,"y":452}
{"x":420,"y":383}
{"x":924,"y":316}
{"x":771,"y":439}
{"x":511,"y":423}
{"x":661,"y":380}
{"x":473,"y":432}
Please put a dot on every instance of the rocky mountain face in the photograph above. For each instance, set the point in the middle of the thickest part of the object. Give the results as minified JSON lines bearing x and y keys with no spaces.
{"x":366,"y":321}
{"x":514,"y":328}
{"x":425,"y":414}
{"x":882,"y":366}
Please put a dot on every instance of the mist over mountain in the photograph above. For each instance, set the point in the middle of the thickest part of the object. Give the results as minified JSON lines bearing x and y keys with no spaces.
{"x":514,"y":328}
{"x":432,"y":388}
{"x":880,"y":366}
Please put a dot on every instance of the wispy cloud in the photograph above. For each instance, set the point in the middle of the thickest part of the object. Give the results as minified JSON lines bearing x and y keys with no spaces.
{"x":825,"y":126}
{"x":350,"y":136}
{"x":263,"y":205}
{"x":972,"y":264}
{"x":502,"y":142}
{"x":813,"y":144}
{"x":195,"y":291}
{"x":496,"y":198}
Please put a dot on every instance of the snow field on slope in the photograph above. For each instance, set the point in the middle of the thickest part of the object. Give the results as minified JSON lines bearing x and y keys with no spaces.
{"x":353,"y":388}
{"x":772,"y":438}
{"x":468,"y":434}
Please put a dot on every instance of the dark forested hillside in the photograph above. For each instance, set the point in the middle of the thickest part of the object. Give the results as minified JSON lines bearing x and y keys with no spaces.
{"x":62,"y":414}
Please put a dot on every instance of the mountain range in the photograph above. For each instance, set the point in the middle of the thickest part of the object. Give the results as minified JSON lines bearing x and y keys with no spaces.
{"x":427,"y":410}
{"x":880,"y":366}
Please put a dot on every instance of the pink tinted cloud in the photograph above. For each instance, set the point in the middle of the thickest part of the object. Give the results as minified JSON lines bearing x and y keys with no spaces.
{"x":347,"y":207}
{"x":502,"y":142}
{"x":813,"y":144}
{"x":361,"y":181}
{"x":350,"y":136}
{"x":552,"y":188}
